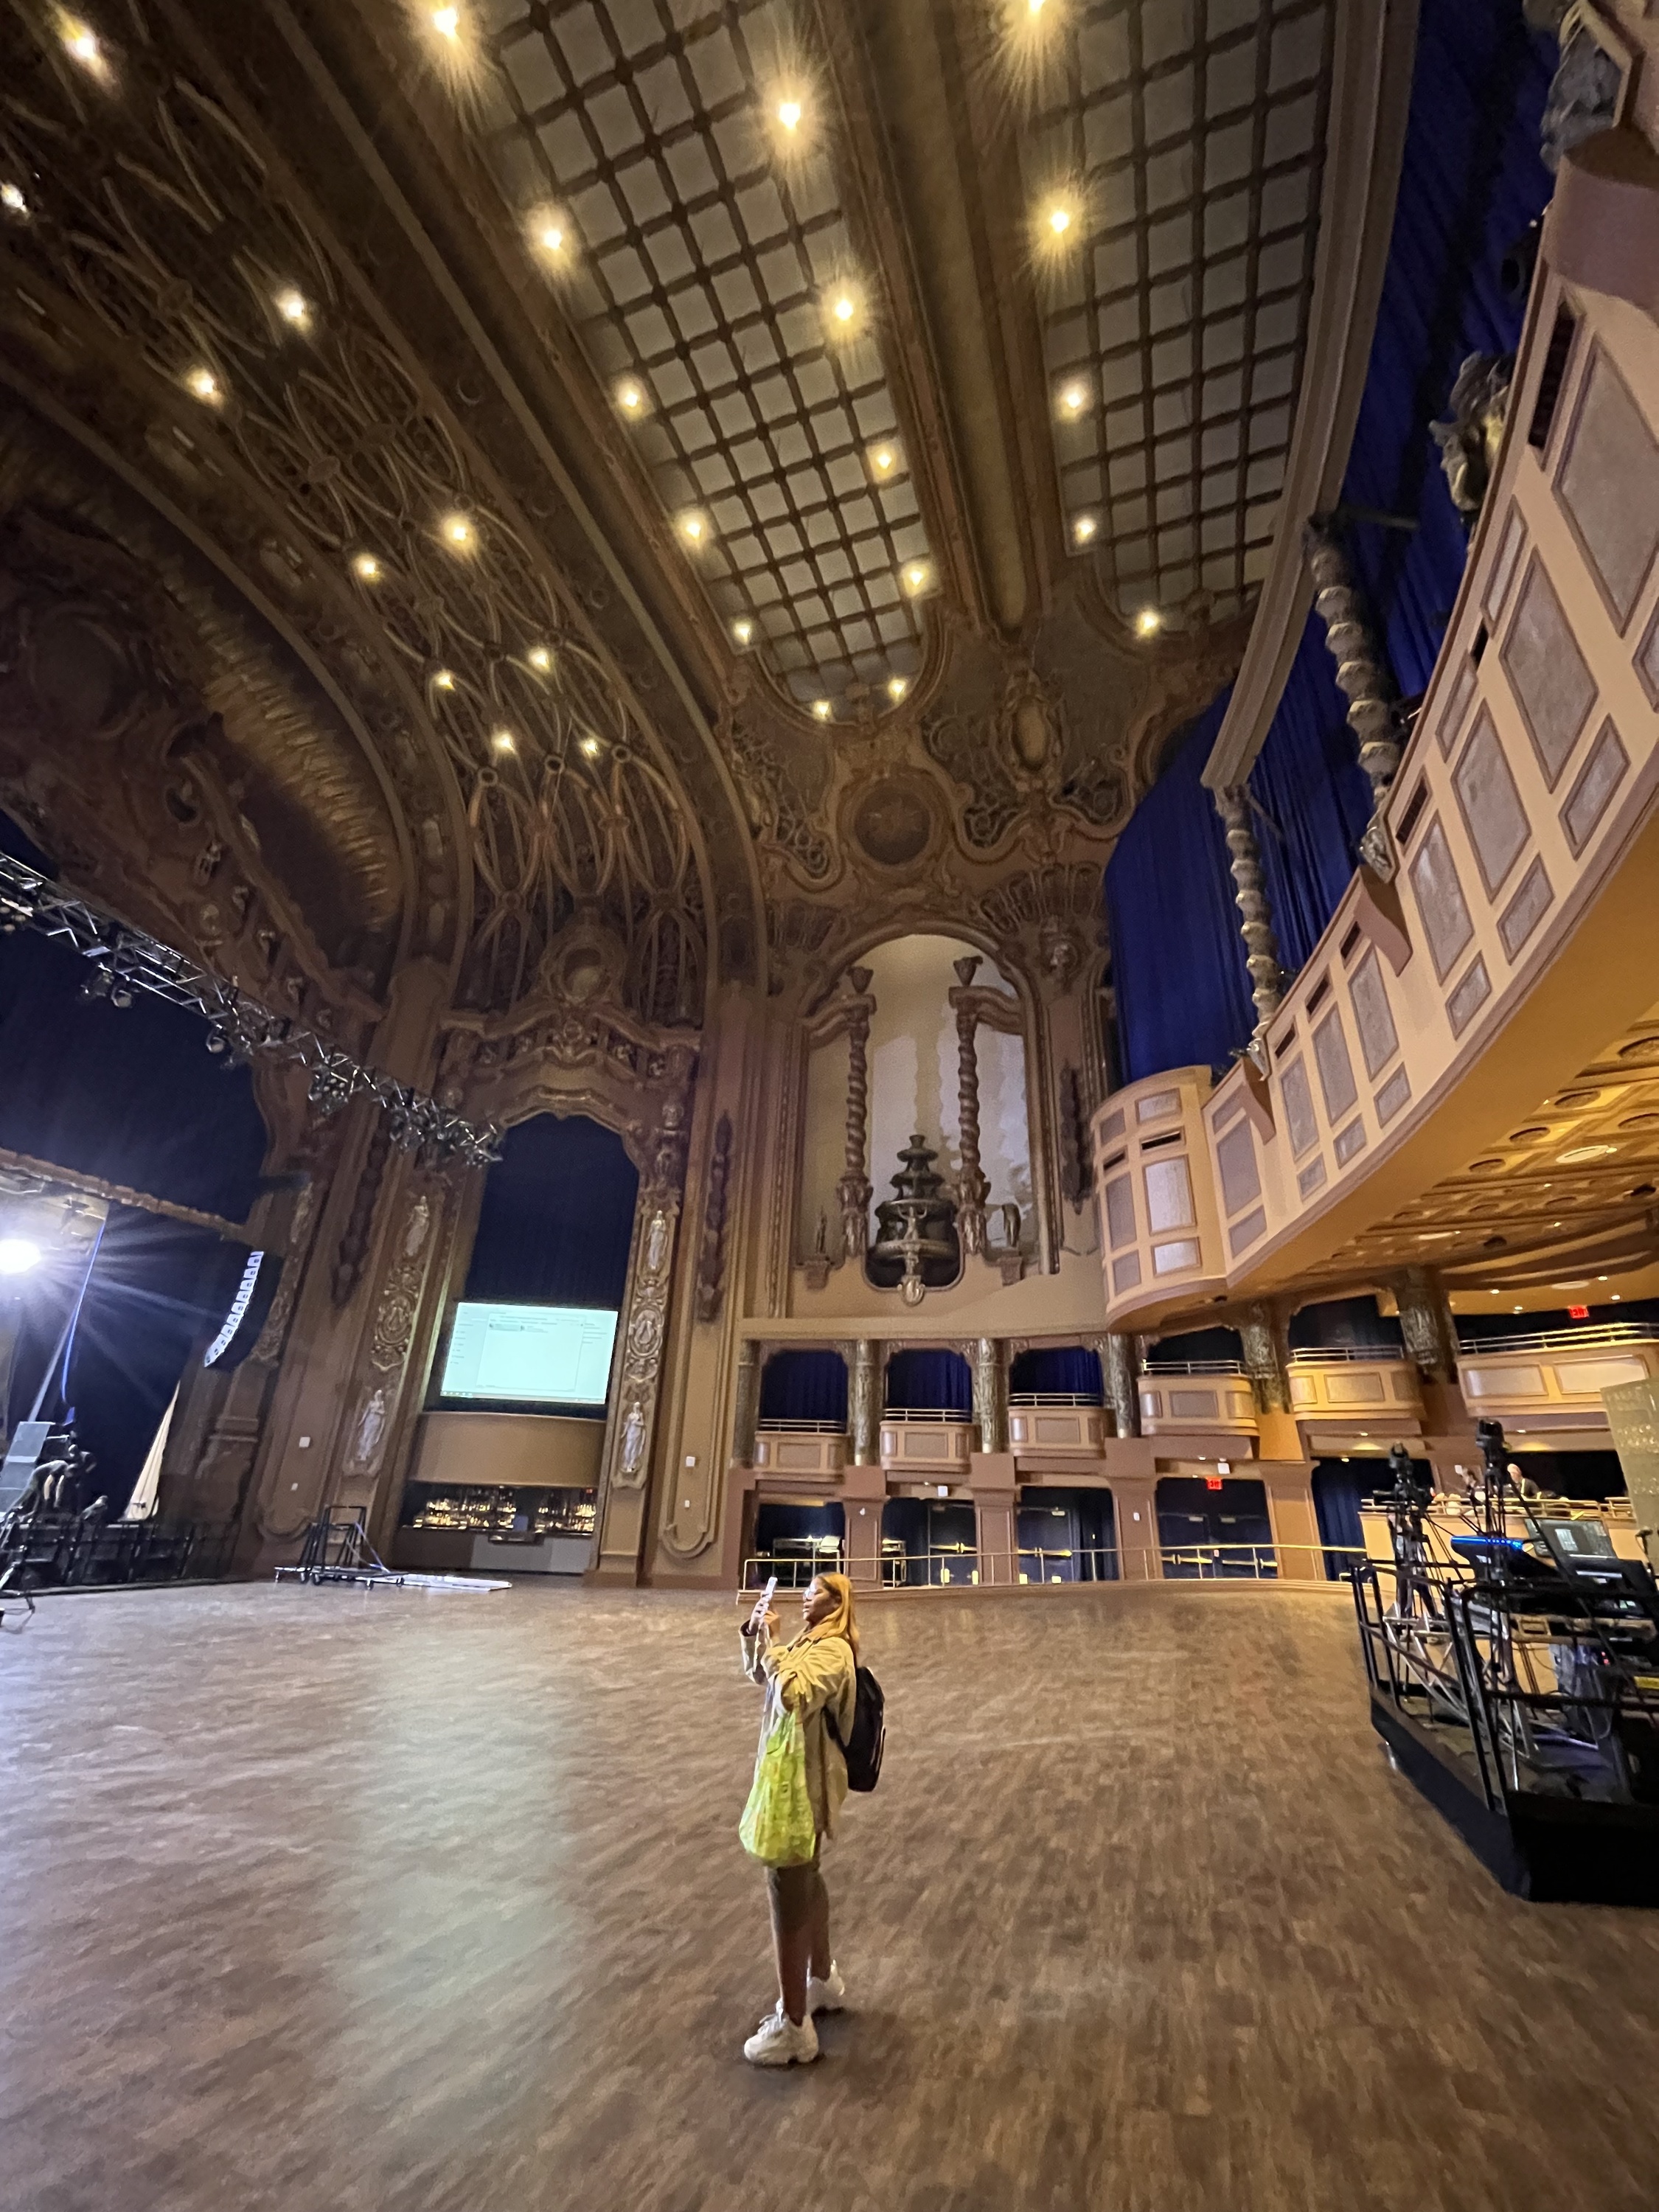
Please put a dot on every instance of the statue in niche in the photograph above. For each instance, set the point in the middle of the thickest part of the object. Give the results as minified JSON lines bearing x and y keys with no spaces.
{"x":633,"y":1439}
{"x":917,"y":1247}
{"x":656,"y":1244}
{"x":371,"y":1433}
{"x":420,"y":1223}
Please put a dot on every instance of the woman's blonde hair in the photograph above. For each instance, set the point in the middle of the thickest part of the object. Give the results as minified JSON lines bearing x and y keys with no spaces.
{"x":841,"y":1622}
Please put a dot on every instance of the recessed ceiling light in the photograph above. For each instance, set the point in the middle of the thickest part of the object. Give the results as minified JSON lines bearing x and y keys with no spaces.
{"x":823,"y":709}
{"x":80,"y":43}
{"x":203,"y":385}
{"x":12,"y":200}
{"x":1059,"y":219}
{"x":590,"y":746}
{"x":1149,"y":621}
{"x":790,"y":112}
{"x":694,"y":528}
{"x":443,"y":681}
{"x":1084,"y":528}
{"x":458,"y":531}
{"x":446,"y":22}
{"x":881,"y":460}
{"x":897,"y":686}
{"x":915,"y":577}
{"x":845,"y":307}
{"x":630,"y":397}
{"x":743,"y":630}
{"x":539,"y":657}
{"x":293,"y":307}
{"x":1073,"y":398}
{"x":367,"y":567}
{"x":503,"y":741}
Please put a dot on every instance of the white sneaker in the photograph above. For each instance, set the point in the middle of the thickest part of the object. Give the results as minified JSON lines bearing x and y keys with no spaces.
{"x":829,"y":1995}
{"x":778,"y":2042}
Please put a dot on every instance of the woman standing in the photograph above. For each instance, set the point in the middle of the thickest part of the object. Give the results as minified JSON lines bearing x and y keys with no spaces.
{"x":815,"y":1678}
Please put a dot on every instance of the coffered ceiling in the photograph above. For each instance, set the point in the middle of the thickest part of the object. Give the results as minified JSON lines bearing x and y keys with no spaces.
{"x":655,"y":427}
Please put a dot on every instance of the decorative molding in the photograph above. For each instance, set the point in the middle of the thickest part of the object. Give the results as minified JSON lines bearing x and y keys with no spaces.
{"x":711,"y":1264}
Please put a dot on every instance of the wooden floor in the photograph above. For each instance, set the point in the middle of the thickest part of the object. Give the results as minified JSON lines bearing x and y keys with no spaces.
{"x":332,"y":1903}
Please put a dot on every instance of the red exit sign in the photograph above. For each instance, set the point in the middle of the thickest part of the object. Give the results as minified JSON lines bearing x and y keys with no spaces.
{"x":1578,"y":1313}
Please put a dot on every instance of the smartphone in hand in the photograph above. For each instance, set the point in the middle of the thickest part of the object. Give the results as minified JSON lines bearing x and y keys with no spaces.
{"x":763,"y":1606}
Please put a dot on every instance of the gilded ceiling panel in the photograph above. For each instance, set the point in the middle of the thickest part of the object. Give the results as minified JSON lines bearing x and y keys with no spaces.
{"x":1172,"y":159}
{"x":673,"y":165}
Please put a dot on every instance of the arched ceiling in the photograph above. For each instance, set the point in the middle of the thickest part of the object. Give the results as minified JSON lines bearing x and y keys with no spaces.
{"x":688,"y":466}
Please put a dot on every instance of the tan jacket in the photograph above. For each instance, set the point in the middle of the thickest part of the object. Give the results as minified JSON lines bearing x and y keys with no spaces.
{"x":812,"y":1676}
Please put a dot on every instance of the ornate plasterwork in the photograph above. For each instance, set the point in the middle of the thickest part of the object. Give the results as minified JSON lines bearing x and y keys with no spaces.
{"x":163,"y":234}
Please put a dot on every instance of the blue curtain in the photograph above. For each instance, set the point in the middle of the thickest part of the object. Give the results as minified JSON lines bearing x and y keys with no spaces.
{"x":803,"y":1386}
{"x":928,"y":1381}
{"x":1336,"y":1501}
{"x":1312,"y":801}
{"x":1471,"y":182}
{"x":1183,"y":995}
{"x":1064,"y":1370}
{"x":558,"y":1217}
{"x":1338,"y":1324}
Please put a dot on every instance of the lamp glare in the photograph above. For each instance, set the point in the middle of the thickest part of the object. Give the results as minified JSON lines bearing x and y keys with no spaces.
{"x":18,"y":1255}
{"x":204,"y":386}
{"x":823,"y":709}
{"x":789,"y":113}
{"x":1149,"y":621}
{"x":12,"y":200}
{"x":896,"y":688}
{"x":539,"y":657}
{"x":446,"y":22}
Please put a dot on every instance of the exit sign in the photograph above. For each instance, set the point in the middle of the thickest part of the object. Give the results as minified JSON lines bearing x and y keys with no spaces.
{"x":1578,"y":1313}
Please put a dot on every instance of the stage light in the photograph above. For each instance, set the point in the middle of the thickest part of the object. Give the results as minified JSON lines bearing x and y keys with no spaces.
{"x":17,"y":1255}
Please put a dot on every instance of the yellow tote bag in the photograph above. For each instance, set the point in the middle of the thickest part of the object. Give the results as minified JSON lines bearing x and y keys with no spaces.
{"x":777,"y":1827}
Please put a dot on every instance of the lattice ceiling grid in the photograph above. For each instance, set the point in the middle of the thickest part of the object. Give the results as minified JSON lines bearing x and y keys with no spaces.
{"x":704,"y":251}
{"x":1184,"y":139}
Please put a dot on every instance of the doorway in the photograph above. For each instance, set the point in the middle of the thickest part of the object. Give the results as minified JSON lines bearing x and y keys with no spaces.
{"x":1215,"y":1529}
{"x":1067,"y":1535}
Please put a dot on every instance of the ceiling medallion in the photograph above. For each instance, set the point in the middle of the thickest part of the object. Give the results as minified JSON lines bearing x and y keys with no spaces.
{"x":894,"y":821}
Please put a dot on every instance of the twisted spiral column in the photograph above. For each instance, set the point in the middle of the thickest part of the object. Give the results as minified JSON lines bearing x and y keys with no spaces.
{"x":1256,"y":915}
{"x":853,"y":1192}
{"x":1362,"y":674}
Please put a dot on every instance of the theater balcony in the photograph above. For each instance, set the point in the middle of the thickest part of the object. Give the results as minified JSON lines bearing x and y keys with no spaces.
{"x":1464,"y":1073}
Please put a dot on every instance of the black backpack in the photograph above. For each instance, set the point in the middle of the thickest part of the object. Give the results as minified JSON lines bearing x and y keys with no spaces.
{"x":863,"y":1749}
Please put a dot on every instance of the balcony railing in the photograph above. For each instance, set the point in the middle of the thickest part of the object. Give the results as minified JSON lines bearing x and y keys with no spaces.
{"x":1066,"y":1400}
{"x":963,"y":1420}
{"x":770,"y":1428}
{"x":1192,"y":1367}
{"x":1602,"y":1338}
{"x":963,"y":1567}
{"x":1351,"y":1355}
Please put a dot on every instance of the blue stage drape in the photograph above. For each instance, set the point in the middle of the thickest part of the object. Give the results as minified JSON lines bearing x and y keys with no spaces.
{"x":1336,"y":1501}
{"x":1472,"y":183}
{"x":927,"y":1380}
{"x":1312,"y":802}
{"x":558,"y":1217}
{"x":1064,"y":1371}
{"x":1183,"y":995}
{"x":803,"y":1386}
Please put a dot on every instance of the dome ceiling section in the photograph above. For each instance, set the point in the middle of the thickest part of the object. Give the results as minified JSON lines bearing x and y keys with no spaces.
{"x":1172,"y":159}
{"x":675,"y":167}
{"x":236,"y":340}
